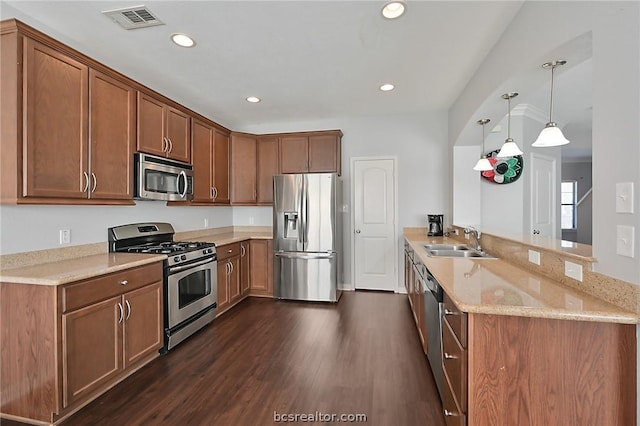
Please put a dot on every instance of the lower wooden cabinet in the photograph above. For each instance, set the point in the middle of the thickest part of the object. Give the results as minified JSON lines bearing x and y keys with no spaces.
{"x":75,"y":341}
{"x":229,"y":291}
{"x":261,"y":268}
{"x":245,"y":267}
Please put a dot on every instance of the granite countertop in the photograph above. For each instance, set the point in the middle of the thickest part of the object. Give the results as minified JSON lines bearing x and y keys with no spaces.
{"x":494,"y":286}
{"x":71,"y":270}
{"x":232,"y":237}
{"x":55,"y":270}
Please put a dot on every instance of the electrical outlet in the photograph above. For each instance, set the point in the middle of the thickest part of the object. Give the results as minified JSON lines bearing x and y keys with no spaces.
{"x":534,"y":257}
{"x":624,"y":197}
{"x":573,"y":270}
{"x":65,"y":236}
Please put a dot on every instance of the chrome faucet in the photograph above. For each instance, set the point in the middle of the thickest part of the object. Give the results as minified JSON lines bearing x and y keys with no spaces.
{"x":476,"y":236}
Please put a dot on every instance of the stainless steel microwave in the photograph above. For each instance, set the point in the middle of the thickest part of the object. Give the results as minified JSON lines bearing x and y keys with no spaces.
{"x":160,"y":178}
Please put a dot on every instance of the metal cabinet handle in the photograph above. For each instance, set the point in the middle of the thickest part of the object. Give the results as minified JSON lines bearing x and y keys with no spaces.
{"x":121,"y":312}
{"x":86,"y":181}
{"x":228,"y":266}
{"x":449,"y":413}
{"x":448,"y":312}
{"x":215,"y":192}
{"x":170,"y":145}
{"x":128,"y":309}
{"x":230,"y":251}
{"x":449,"y":356}
{"x":165,"y":144}
{"x":242,"y":251}
{"x":95,"y":182}
{"x":232,"y":268}
{"x":124,"y":282}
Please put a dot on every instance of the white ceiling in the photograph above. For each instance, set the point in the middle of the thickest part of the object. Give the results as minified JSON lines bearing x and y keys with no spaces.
{"x":306,"y":59}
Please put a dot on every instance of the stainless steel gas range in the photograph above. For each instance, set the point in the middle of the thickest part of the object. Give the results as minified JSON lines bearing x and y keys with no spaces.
{"x":190,"y":276}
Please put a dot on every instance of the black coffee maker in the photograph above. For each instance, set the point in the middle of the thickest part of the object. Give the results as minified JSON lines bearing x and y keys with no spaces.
{"x":435,"y":225}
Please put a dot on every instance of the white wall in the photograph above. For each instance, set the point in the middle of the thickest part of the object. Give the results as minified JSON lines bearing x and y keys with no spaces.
{"x":27,"y":228}
{"x":466,"y":186}
{"x":581,"y":173}
{"x":253,"y":216}
{"x":420,"y":144}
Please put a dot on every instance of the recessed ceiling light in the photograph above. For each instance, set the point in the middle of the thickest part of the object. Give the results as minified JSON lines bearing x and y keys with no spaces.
{"x":387,"y":87}
{"x":393,"y":9}
{"x":253,"y":99}
{"x":183,"y":40}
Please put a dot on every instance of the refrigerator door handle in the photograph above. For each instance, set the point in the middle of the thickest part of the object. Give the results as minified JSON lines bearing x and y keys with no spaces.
{"x":299,"y":255}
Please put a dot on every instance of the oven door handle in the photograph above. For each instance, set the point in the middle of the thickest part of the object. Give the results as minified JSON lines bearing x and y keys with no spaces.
{"x":191,"y":265}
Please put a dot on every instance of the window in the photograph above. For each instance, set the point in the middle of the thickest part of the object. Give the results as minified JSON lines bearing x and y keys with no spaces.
{"x":568,"y":196}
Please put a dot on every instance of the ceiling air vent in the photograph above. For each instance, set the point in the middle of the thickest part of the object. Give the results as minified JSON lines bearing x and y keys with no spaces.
{"x":134,"y":17}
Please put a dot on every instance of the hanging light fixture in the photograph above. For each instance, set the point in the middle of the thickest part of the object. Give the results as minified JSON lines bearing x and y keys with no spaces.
{"x":551,"y":135}
{"x":483,"y":163}
{"x":509,"y":147}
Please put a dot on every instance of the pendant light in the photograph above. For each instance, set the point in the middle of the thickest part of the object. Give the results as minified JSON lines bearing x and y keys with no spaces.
{"x":509,"y":147}
{"x":483,"y":163}
{"x":551,"y":135}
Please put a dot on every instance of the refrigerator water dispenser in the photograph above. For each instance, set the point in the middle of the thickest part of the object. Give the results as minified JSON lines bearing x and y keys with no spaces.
{"x":291,"y":225}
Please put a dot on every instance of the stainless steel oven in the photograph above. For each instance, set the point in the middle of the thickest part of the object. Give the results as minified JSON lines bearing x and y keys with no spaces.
{"x":160,"y":178}
{"x":191,"y":297}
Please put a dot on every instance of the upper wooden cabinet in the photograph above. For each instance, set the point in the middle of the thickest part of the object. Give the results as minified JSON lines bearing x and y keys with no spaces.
{"x":315,"y":152}
{"x":210,"y":163}
{"x":162,"y":129}
{"x":267,"y":152}
{"x":243,"y":169}
{"x":67,"y":130}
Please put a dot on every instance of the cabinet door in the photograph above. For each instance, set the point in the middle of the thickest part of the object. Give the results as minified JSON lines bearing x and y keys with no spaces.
{"x":261,"y":267}
{"x":151,"y":125}
{"x":223,"y":286}
{"x":112,"y":108}
{"x":267,"y":151}
{"x":245,"y":267}
{"x":178,"y":132}
{"x":203,"y":156}
{"x":324,"y":154}
{"x":243,"y":169}
{"x":221,"y":168}
{"x":294,"y":154}
{"x":56,"y":122}
{"x":143,"y":323}
{"x":92,"y":347}
{"x":234,"y":279}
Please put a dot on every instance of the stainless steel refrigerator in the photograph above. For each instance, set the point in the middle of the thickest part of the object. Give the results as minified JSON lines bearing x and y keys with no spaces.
{"x":307,"y":236}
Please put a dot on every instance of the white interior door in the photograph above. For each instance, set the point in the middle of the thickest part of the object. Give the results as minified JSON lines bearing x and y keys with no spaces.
{"x":543,"y":195}
{"x":374,"y":210}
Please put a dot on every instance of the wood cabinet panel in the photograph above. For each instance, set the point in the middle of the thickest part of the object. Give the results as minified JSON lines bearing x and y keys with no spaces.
{"x":243,"y":169}
{"x":453,"y":415}
{"x":223,"y":286}
{"x":324,"y":154}
{"x":294,"y":154}
{"x":454,"y":361}
{"x":178,"y":133}
{"x":261,"y":267}
{"x":235,"y":291}
{"x":112,"y":112}
{"x":143,"y":323}
{"x":151,"y":125}
{"x":457,"y":320}
{"x":245,"y":267}
{"x":540,"y":371}
{"x":228,"y":250}
{"x":55,"y":155}
{"x":202,"y":142}
{"x":267,"y":152}
{"x":221,"y":168}
{"x":92,"y":354}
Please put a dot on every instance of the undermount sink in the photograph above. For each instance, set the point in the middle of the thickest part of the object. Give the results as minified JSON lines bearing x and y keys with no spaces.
{"x":466,"y":252}
{"x":446,"y":247}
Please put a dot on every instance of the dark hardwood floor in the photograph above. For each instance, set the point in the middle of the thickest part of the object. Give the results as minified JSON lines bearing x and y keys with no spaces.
{"x":360,"y":356}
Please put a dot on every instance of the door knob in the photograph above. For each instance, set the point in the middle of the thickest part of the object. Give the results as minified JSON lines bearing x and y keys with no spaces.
{"x":357,"y":231}
{"x":536,"y":231}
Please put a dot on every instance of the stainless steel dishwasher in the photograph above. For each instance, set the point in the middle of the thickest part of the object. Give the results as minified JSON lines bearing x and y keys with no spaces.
{"x":433,"y":307}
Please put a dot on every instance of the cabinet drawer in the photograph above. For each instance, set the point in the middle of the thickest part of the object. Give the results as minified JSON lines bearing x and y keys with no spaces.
{"x":453,"y":416}
{"x":94,"y":290}
{"x":457,"y":320}
{"x":228,"y":250}
{"x":454,"y":361}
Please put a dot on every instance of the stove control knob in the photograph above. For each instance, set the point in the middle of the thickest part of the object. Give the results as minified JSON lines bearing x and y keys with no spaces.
{"x":176,"y":259}
{"x":183,"y":257}
{"x":204,"y":251}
